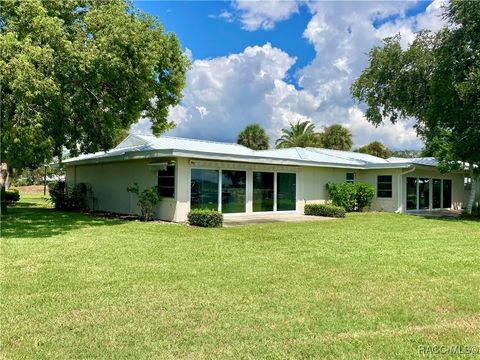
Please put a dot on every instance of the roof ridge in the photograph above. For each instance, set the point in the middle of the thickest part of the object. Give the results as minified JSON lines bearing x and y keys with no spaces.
{"x":185,"y":138}
{"x":334,"y":155}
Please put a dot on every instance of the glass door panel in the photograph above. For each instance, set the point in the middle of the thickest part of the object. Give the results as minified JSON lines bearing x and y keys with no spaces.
{"x":447,"y":194}
{"x":263,"y":191}
{"x":204,"y":189}
{"x":437,"y":194}
{"x":286,"y":192}
{"x":234,"y":191}
{"x":423,"y":193}
{"x":411,"y":193}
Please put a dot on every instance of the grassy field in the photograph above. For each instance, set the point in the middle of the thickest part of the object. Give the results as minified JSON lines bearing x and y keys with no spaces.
{"x":368,"y":286}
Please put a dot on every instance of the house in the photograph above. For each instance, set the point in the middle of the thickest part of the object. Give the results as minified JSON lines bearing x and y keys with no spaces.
{"x":233,"y":179}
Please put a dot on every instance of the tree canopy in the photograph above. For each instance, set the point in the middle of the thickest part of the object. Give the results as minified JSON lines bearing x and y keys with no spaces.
{"x":376,"y":148}
{"x":75,"y":74}
{"x":336,"y":137}
{"x":253,"y":137}
{"x":436,"y":80}
{"x":300,"y":134}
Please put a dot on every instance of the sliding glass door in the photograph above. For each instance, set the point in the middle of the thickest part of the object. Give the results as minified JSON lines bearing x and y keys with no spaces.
{"x":437,"y":193}
{"x":423,"y":193}
{"x":263,"y":191}
{"x":411,"y":193}
{"x":286,"y":191}
{"x":234,"y":191}
{"x":204,"y":189}
{"x":447,"y":194}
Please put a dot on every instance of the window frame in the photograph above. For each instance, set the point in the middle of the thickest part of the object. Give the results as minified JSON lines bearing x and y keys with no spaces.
{"x":169,"y":176}
{"x":379,"y":191}
{"x":352,"y":181}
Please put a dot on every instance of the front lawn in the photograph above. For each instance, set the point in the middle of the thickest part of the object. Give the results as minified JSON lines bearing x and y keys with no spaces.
{"x":368,"y":286}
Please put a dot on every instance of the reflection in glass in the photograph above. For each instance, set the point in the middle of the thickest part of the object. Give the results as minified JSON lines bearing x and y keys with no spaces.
{"x":423,"y":193}
{"x":437,"y":194}
{"x":447,"y":194}
{"x":234,"y":191}
{"x":262,"y":191}
{"x":286,"y":191}
{"x":204,"y":189}
{"x":411,"y":193}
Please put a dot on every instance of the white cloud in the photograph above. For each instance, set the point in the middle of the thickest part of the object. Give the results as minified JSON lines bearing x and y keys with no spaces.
{"x":256,"y":15}
{"x":225,"y":94}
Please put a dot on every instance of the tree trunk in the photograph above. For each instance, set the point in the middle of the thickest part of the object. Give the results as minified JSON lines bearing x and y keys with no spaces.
{"x":471,"y":197}
{"x":3,"y":180}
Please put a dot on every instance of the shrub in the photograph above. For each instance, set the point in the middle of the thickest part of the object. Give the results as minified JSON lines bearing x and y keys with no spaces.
{"x":147,"y":200}
{"x":12,"y":196}
{"x":205,"y":218}
{"x":342,"y":195}
{"x":364,"y":195}
{"x":65,"y":197}
{"x":324,"y":210}
{"x":351,"y":196}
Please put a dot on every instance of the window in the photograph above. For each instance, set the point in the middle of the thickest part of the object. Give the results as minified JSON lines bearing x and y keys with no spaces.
{"x":384,"y":186}
{"x":286,"y":191}
{"x":263,"y":191}
{"x":166,"y":182}
{"x":234,"y":191}
{"x":204,"y":189}
{"x":467,"y":183}
{"x":350,"y":177}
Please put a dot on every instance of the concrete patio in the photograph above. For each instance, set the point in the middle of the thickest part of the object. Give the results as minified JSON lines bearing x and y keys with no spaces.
{"x":237,"y":220}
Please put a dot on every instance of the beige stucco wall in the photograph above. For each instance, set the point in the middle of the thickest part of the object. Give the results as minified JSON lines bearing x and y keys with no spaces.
{"x":110,"y":180}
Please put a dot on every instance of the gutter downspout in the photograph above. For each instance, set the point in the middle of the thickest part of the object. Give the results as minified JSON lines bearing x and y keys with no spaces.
{"x":399,"y":192}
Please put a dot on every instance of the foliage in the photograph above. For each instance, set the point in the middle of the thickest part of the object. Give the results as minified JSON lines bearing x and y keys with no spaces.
{"x":65,"y":197}
{"x":351,"y":196}
{"x":301,"y":134}
{"x":107,"y":277}
{"x":407,"y":153}
{"x":324,"y":210}
{"x":376,"y":148}
{"x":336,"y":137}
{"x":12,"y":196}
{"x":147,"y":200}
{"x":75,"y":74}
{"x":205,"y":218}
{"x":254,"y":137}
{"x":436,"y":80}
{"x":36,"y":176}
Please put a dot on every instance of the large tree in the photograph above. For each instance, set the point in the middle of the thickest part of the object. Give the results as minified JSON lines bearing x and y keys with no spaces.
{"x":76,"y":74}
{"x":300,"y":134}
{"x":253,"y":137}
{"x":376,"y":148}
{"x":336,"y":137}
{"x":436,"y":80}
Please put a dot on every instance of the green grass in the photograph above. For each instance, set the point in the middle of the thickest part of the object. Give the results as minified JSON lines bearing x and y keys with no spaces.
{"x":369,"y":286}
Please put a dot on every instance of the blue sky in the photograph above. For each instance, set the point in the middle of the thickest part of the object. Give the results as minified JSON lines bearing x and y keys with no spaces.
{"x":274,"y":62}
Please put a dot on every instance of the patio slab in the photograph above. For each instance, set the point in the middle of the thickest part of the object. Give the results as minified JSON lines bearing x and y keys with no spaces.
{"x":237,"y":220}
{"x":436,"y":213}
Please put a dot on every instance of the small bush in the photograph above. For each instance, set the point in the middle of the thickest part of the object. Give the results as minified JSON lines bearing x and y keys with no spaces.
{"x":205,"y":218}
{"x":147,"y":200}
{"x":324,"y":210}
{"x":351,"y":196}
{"x":12,"y":196}
{"x":65,"y":197}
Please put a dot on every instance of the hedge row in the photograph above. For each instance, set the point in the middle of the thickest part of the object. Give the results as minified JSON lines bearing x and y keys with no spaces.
{"x":12,"y":196}
{"x":324,"y":210}
{"x":205,"y":218}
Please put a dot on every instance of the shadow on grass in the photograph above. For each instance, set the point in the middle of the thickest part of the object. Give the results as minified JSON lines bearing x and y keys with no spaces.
{"x":28,"y":221}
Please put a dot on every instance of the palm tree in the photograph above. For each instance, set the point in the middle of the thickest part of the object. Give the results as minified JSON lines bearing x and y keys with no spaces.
{"x":253,"y":137}
{"x":336,"y":137}
{"x":301,"y":134}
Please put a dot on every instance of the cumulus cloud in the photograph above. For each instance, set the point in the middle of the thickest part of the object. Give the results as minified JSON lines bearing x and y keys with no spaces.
{"x":256,"y":15}
{"x":225,"y":94}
